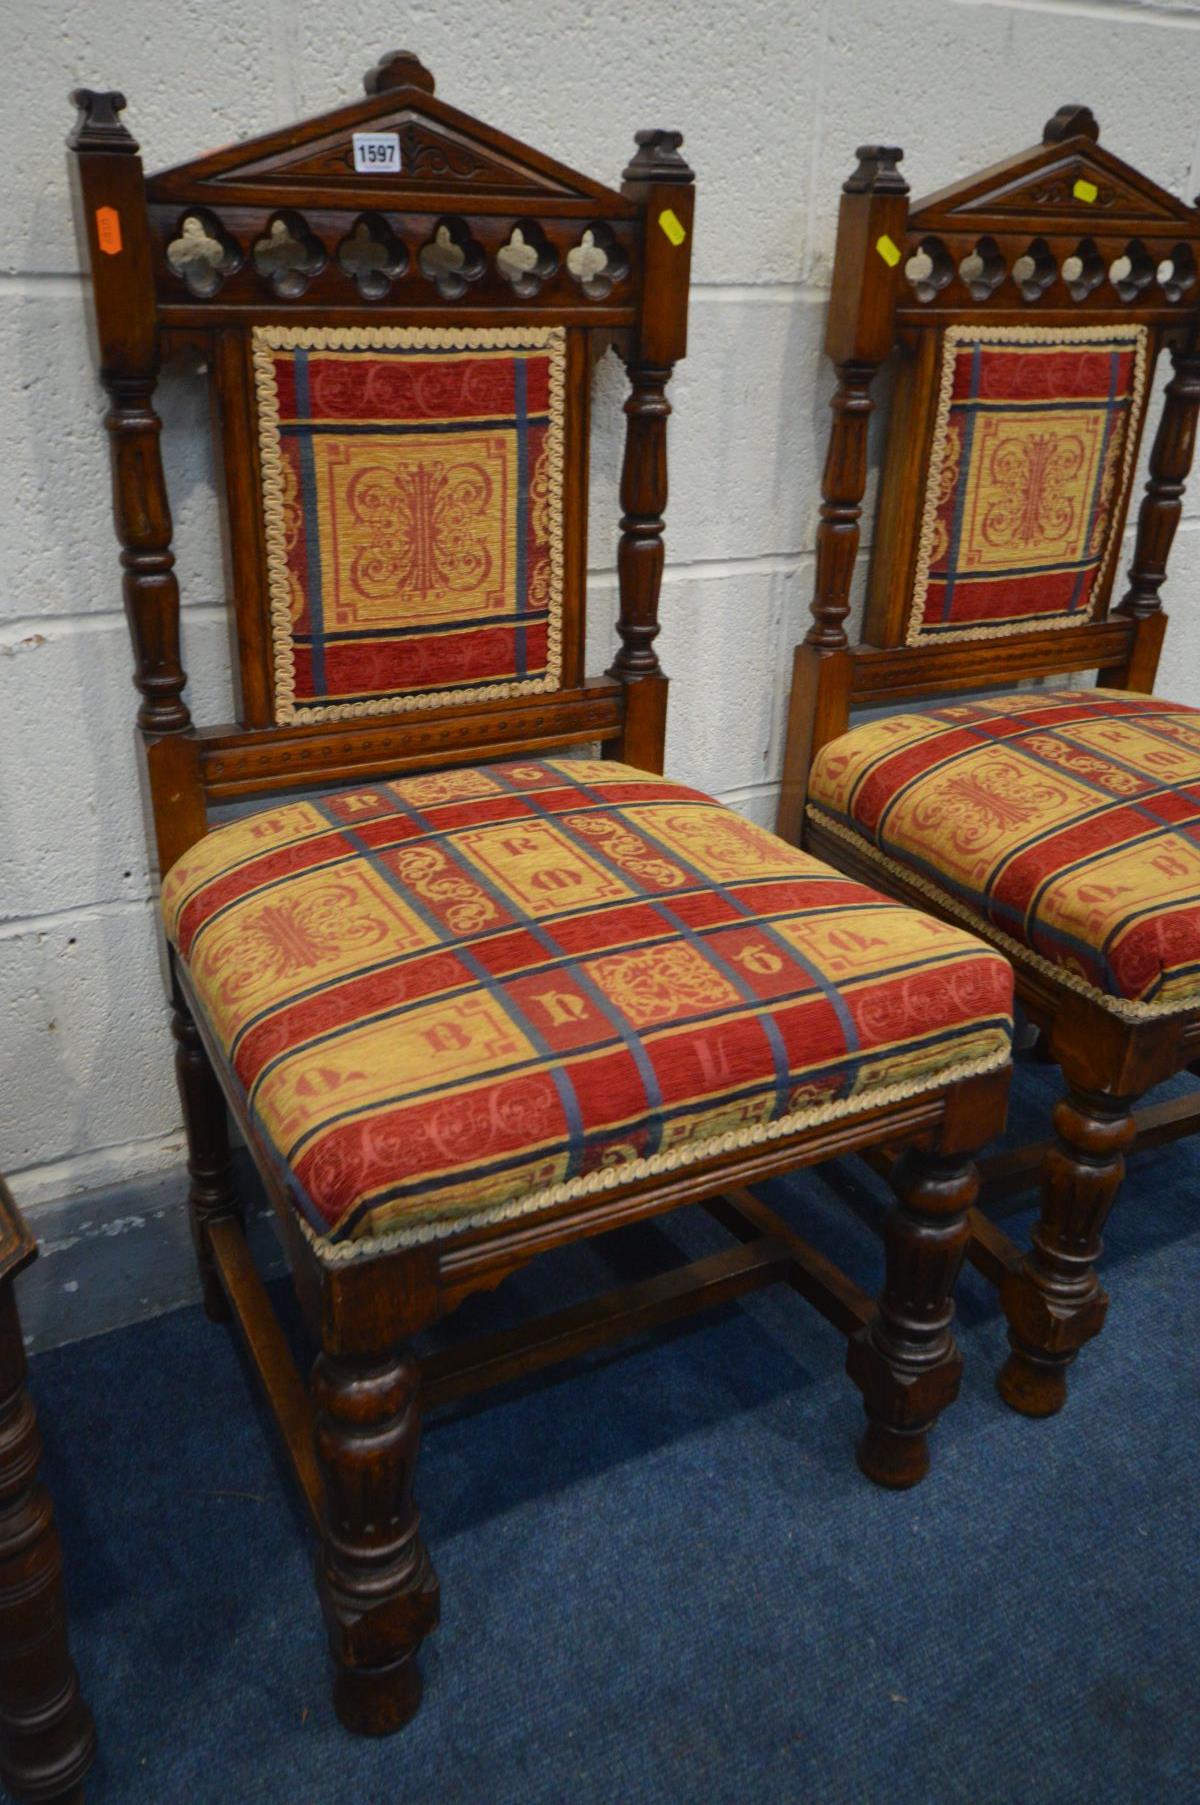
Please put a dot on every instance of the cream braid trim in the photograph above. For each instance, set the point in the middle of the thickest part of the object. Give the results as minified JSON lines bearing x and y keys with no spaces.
{"x":954,"y":336}
{"x":268,"y":339}
{"x":1006,"y":943}
{"x":612,"y":1178}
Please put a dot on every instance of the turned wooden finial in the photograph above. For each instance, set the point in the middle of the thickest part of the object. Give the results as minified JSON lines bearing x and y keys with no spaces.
{"x":99,"y":126}
{"x":877,"y":172}
{"x":1071,"y":122}
{"x":657,"y":158}
{"x":398,"y":69}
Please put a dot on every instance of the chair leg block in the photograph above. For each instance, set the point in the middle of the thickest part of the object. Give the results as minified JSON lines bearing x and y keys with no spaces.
{"x":378,"y":1589}
{"x":902,"y":1404}
{"x":905,"y":1360}
{"x":377,"y":1701}
{"x":1034,"y":1384}
{"x":1054,"y":1301}
{"x":374,"y":1696}
{"x":893,"y":1458}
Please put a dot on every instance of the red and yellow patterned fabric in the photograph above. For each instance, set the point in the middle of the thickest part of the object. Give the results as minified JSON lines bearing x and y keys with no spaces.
{"x":1030,"y":466}
{"x":480,"y":992}
{"x":1067,"y":821}
{"x":412,"y":499}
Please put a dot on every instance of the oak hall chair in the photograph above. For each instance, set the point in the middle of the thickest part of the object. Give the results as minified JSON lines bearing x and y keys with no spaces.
{"x":1026,"y":307}
{"x":468,"y":995}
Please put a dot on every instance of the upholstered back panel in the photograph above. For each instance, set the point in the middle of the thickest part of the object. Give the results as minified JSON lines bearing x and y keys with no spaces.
{"x":413,"y":505}
{"x":1034,"y":439}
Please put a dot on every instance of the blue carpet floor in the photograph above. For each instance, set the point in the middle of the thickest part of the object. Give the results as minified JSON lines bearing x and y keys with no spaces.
{"x":663,"y":1578}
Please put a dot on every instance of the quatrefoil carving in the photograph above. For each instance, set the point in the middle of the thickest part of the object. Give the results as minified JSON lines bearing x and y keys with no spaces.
{"x":597,"y":262}
{"x":983,"y":269}
{"x":451,"y":259}
{"x":203,"y":254}
{"x":1035,"y":270}
{"x":1083,"y":271}
{"x":288,"y":255}
{"x":929,"y":268}
{"x":1177,"y":273}
{"x":1132,"y":271}
{"x":527,"y":260}
{"x":373,"y":256}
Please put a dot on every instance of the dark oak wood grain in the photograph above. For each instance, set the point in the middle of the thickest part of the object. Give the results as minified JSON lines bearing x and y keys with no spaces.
{"x":47,"y":1740}
{"x":211,"y":1193}
{"x":378,"y":1587}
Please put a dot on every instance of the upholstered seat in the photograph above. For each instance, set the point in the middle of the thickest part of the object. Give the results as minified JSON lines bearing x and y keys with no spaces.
{"x":1065,"y":824}
{"x":473,"y":994}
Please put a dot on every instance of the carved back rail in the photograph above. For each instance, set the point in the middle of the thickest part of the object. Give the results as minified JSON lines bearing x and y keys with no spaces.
{"x":1061,"y":245}
{"x":398,"y":227}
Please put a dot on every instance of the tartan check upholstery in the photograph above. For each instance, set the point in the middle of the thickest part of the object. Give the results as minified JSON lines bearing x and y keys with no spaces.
{"x":1063,"y":823}
{"x":1030,"y":467}
{"x":482,"y":991}
{"x":412,"y":499}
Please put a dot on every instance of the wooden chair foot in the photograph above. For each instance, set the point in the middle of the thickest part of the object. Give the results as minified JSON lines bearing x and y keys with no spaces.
{"x":378,"y":1588}
{"x":377,"y":1701}
{"x":895,"y":1458}
{"x":905,"y":1361}
{"x":1034,"y":1384}
{"x":1054,"y":1301}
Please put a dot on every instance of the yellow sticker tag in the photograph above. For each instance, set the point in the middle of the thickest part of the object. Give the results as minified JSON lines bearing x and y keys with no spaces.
{"x":889,"y":250}
{"x":1085,"y":190}
{"x":673,"y":226}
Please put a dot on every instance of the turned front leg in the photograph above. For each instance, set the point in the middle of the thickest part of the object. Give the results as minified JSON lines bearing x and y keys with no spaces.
{"x":905,"y":1361}
{"x":46,"y":1735}
{"x":1054,"y":1301}
{"x":211,"y":1193}
{"x":378,"y":1588}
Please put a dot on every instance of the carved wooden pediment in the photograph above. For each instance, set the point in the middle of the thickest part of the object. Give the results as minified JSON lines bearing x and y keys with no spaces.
{"x":1068,"y":181}
{"x":441,"y":151}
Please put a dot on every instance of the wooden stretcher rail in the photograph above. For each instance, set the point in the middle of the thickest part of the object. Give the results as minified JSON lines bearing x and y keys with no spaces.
{"x":1008,"y":1174}
{"x":614,"y":1316}
{"x":989,"y":1250}
{"x":886,"y":673}
{"x":271,"y":1356}
{"x":768,"y":1252}
{"x":838,"y":1298}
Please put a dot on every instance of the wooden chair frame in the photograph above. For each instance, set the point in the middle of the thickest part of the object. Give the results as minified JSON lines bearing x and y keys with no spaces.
{"x":352,"y":1435}
{"x":47,"y":1738}
{"x":1067,"y":188}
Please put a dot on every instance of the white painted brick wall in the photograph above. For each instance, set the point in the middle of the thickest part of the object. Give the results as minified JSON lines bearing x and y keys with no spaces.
{"x":772,"y":96}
